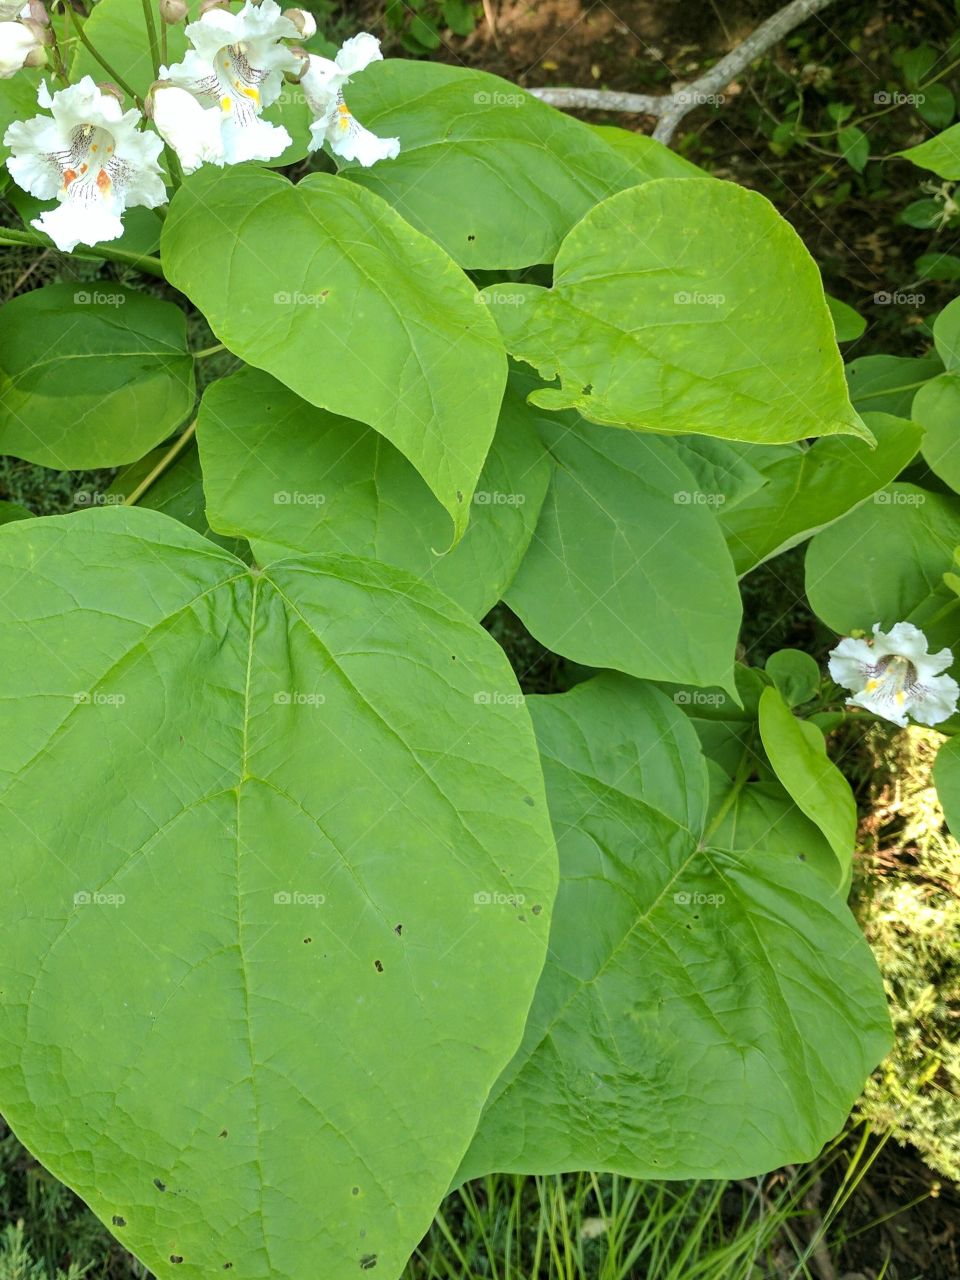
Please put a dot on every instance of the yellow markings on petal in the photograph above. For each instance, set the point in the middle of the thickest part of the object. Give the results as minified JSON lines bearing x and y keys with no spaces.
{"x":871,"y":685}
{"x":226,"y":103}
{"x":900,"y":697}
{"x":93,"y":146}
{"x":249,"y":91}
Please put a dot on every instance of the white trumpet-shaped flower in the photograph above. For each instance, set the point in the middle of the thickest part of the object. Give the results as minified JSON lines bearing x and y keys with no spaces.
{"x":236,"y":65}
{"x":322,"y":84}
{"x":89,"y":155}
{"x":894,"y":676}
{"x":18,"y":46}
{"x":193,"y":130}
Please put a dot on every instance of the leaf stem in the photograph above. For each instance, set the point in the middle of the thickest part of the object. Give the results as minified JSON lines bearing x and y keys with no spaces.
{"x":142,"y":261}
{"x":208,"y":351}
{"x":171,"y":454}
{"x":117,"y":79}
{"x":152,"y":36}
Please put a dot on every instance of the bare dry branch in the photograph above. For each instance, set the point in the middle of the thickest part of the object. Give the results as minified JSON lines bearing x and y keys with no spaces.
{"x":670,"y":108}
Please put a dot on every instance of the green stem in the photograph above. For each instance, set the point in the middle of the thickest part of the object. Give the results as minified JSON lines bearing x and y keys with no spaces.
{"x":152,"y":36}
{"x":142,"y":261}
{"x":744,"y":769}
{"x":117,"y":79}
{"x":208,"y":351}
{"x":172,"y":453}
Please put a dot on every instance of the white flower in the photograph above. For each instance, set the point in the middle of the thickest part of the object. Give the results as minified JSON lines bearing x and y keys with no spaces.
{"x":89,"y":155}
{"x":17,"y":44}
{"x":194,"y":131}
{"x":236,"y":65}
{"x":322,"y":84}
{"x":894,"y":676}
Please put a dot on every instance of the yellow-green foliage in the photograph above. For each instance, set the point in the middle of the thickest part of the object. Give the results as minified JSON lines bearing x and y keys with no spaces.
{"x":907,"y":895}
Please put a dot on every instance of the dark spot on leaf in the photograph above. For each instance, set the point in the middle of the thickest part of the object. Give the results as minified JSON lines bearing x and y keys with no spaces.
{"x":587,"y":390}
{"x":161,"y":1186}
{"x":459,"y":496}
{"x":368,"y":1262}
{"x":356,"y":1191}
{"x":307,"y":940}
{"x":802,"y":857}
{"x":378,"y":966}
{"x":471,"y":238}
{"x":223,"y":1133}
{"x":118,"y":1221}
{"x":324,"y":293}
{"x":398,"y":929}
{"x":522,"y":919}
{"x":227,"y":1266}
{"x":529,"y":800}
{"x":175,"y":1258}
{"x":536,"y":909}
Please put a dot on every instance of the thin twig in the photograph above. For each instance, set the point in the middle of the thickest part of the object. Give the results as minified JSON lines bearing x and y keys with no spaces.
{"x":670,"y":108}
{"x":171,"y":454}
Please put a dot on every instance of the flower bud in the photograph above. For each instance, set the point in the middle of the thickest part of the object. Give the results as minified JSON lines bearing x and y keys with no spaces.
{"x":36,"y":10}
{"x":18,"y":43}
{"x":305,"y":22}
{"x":293,"y":77}
{"x":207,"y":5}
{"x":107,"y":86}
{"x":40,"y":33}
{"x":173,"y":12}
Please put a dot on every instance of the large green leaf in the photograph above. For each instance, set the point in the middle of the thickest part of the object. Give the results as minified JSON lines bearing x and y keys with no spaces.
{"x":684,"y":305}
{"x":647,"y":157}
{"x":946,"y":336}
{"x":946,"y":775}
{"x":92,"y":374}
{"x":940,"y":154}
{"x":799,"y":757}
{"x":277,"y":860}
{"x":886,"y":384}
{"x":492,"y":174}
{"x":349,"y":306}
{"x":627,"y":568}
{"x":117,"y":30}
{"x":936,"y":406}
{"x":812,"y":487}
{"x":293,"y":478}
{"x":708,"y":1008}
{"x":885,"y":561}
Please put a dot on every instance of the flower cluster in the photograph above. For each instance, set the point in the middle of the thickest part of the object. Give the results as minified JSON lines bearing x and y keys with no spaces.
{"x":23,"y":36}
{"x":97,"y":160}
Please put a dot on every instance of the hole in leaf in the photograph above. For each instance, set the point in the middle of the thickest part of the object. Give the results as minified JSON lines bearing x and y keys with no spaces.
{"x":536,"y":909}
{"x":118,"y":1221}
{"x":378,"y":966}
{"x":398,"y":929}
{"x":471,"y":238}
{"x":161,"y":1186}
{"x":368,"y":1262}
{"x":223,"y":1133}
{"x":175,"y":1258}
